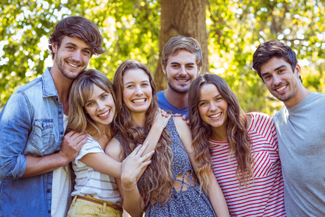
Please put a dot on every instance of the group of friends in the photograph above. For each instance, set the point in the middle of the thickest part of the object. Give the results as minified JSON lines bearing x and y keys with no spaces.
{"x":75,"y":144}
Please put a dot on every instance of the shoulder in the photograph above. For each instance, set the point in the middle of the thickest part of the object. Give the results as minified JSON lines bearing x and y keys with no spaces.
{"x":258,"y":117}
{"x":280,"y":115}
{"x":35,"y":84}
{"x":260,"y":122}
{"x":161,"y":94}
{"x":184,"y":132}
{"x":317,"y":97}
{"x":114,"y":149}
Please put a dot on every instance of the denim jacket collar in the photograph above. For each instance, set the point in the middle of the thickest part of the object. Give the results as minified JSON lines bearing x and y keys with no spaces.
{"x":49,"y":88}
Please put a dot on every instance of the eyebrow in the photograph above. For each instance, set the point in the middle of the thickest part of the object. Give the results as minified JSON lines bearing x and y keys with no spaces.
{"x":70,"y":43}
{"x":191,"y":63}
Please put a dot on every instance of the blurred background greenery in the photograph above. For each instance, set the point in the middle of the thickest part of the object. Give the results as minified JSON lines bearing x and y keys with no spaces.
{"x":228,"y":30}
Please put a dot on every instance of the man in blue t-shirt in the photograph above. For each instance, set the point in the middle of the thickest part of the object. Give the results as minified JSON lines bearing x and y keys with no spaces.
{"x":181,"y":62}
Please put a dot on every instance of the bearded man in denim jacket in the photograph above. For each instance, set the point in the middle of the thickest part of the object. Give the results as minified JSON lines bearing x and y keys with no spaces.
{"x":34,"y":152}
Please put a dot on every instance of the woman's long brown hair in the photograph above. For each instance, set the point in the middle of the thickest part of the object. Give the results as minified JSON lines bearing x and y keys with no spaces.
{"x":238,"y":139}
{"x":157,"y":176}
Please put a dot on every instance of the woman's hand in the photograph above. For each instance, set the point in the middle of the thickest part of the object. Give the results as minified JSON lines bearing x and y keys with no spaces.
{"x":161,"y":119}
{"x":132,"y":165}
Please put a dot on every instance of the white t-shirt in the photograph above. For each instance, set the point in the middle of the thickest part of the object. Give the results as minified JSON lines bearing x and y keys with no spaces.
{"x":93,"y":183}
{"x":61,"y":187}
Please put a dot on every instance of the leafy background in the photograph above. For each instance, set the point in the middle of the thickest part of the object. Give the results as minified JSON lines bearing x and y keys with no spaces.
{"x":131,"y":28}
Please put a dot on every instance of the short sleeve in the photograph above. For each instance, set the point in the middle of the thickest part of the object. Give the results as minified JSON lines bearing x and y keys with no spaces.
{"x":91,"y":146}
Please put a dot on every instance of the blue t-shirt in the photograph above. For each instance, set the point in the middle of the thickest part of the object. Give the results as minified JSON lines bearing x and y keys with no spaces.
{"x":164,"y":104}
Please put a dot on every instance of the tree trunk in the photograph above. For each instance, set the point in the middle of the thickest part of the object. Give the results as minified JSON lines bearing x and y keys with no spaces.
{"x":185,"y":18}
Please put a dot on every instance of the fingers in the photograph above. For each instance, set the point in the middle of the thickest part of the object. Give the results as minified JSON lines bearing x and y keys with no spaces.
{"x":79,"y":138}
{"x":141,"y":150}
{"x":147,"y":156}
{"x":82,"y":142}
{"x":146,"y":163}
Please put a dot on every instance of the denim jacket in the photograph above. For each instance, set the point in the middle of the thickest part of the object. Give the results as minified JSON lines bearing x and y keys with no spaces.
{"x":31,"y":123}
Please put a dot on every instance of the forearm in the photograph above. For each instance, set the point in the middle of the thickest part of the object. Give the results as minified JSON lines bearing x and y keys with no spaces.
{"x":217,"y":198}
{"x":132,"y":200}
{"x":153,"y":138}
{"x":40,"y":165}
{"x":103,"y":163}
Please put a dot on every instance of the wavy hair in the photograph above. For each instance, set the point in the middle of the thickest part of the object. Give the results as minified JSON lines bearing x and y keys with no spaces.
{"x":77,"y":27}
{"x":157,"y":176}
{"x":81,"y":90}
{"x":238,"y":139}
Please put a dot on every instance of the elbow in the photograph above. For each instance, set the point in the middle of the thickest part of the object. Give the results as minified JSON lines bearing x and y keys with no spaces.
{"x":13,"y":168}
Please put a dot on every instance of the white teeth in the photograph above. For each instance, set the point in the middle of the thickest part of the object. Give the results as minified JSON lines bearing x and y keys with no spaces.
{"x":103,"y":115}
{"x":73,"y":65}
{"x":281,"y":88}
{"x":182,"y":80}
{"x":215,"y":116}
{"x":138,"y":100}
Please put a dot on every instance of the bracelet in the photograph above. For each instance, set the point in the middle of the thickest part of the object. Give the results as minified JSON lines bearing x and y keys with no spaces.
{"x":130,"y":188}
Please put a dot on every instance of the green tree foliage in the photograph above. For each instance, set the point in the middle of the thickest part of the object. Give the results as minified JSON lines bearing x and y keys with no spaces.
{"x":131,"y":30}
{"x":236,"y":29}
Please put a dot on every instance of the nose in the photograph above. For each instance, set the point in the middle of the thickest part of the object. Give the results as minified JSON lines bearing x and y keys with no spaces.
{"x":76,"y":56}
{"x":138,"y":90}
{"x":212,"y":106}
{"x":276,"y":80}
{"x":100,"y":106}
{"x":182,"y":71}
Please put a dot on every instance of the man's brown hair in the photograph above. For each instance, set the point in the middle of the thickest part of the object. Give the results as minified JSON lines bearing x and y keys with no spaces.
{"x":77,"y":27}
{"x":270,"y":49}
{"x":176,"y":44}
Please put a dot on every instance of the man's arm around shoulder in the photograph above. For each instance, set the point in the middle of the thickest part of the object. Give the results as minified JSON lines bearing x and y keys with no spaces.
{"x":15,"y":128}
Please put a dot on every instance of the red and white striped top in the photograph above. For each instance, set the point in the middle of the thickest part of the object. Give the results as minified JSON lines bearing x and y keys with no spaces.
{"x":264,"y":194}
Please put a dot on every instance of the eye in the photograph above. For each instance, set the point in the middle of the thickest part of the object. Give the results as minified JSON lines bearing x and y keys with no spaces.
{"x":104,"y":96}
{"x":87,"y":52}
{"x":219,"y":98}
{"x":89,"y":104}
{"x":145,"y":84}
{"x":267,"y":77}
{"x":130,"y":86}
{"x":202,"y":104}
{"x":175,"y":66}
{"x":70,"y":48}
{"x":190,"y":66}
{"x":281,"y":71}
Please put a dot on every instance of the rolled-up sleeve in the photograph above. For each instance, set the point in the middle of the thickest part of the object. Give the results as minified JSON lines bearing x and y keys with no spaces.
{"x":15,"y":126}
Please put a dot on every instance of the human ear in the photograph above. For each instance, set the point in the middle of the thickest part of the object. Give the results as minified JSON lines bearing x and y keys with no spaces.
{"x":164,"y":69}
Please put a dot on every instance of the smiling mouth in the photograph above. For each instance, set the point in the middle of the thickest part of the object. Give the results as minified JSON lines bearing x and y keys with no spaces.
{"x":105,"y":114}
{"x":73,"y":65}
{"x":138,"y":100}
{"x":280,"y":89}
{"x":182,"y":80}
{"x":216,"y":116}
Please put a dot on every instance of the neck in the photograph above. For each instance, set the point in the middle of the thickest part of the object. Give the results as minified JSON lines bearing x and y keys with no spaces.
{"x":62,"y":85}
{"x":300,"y":95}
{"x":178,"y":100}
{"x":219,"y":134}
{"x":138,"y":119}
{"x":105,"y":130}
